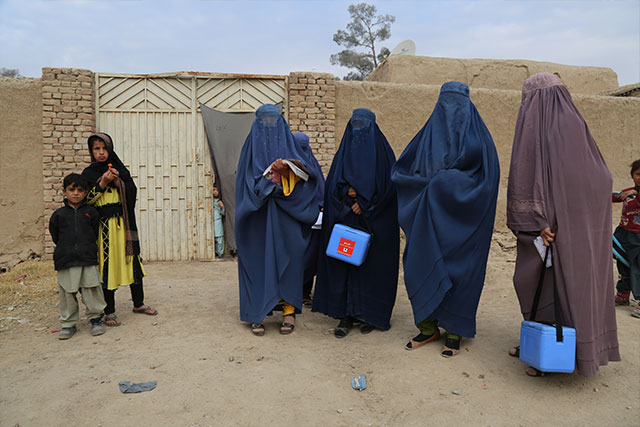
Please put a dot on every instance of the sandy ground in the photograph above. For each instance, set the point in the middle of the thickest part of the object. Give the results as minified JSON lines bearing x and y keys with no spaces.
{"x":212,"y":371}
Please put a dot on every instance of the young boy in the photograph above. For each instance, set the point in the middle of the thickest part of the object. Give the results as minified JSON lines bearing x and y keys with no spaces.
{"x":218,"y":229}
{"x":627,"y":238}
{"x":74,"y":230}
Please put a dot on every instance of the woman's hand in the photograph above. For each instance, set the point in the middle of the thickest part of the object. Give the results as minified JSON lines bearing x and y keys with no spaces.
{"x":280,"y":167}
{"x":352,"y":193}
{"x":547,"y":236}
{"x":356,"y":208}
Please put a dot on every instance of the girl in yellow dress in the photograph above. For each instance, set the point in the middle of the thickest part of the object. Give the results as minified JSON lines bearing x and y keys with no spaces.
{"x":113,"y":194}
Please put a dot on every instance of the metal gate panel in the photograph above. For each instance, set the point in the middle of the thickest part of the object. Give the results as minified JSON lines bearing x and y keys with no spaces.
{"x":240,"y":94}
{"x":159,"y":134}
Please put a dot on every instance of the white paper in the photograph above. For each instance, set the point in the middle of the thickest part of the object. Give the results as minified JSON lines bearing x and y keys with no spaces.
{"x":542,"y":249}
{"x":296,"y":170}
{"x":318,"y":224}
{"x":299,"y":172}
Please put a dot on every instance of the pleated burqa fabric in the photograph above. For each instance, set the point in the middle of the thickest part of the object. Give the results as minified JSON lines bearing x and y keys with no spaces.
{"x":559,"y":179}
{"x":447,"y":182}
{"x":363,"y":161}
{"x":272,"y":230}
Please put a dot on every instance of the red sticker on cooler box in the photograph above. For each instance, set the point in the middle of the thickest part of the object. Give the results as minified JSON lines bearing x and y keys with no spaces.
{"x":345,"y":247}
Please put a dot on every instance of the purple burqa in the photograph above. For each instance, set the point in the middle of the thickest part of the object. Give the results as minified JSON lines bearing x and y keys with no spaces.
{"x":559,"y":179}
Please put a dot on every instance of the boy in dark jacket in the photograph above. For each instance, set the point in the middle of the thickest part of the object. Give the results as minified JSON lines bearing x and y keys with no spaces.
{"x":74,"y":230}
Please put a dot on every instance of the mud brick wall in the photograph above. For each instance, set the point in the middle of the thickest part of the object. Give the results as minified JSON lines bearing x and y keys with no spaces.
{"x":312,"y":110}
{"x":68,"y":118}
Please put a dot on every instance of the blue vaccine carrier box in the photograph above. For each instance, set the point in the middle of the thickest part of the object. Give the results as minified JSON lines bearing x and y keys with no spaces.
{"x":539,"y":348}
{"x":348,"y":244}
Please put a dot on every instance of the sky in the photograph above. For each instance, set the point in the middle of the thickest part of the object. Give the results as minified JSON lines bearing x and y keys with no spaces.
{"x":281,"y":36}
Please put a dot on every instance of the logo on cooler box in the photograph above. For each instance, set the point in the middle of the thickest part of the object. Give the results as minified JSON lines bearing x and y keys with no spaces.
{"x":345,"y":247}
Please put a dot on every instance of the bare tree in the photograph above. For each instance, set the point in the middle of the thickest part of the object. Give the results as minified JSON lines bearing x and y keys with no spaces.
{"x":364,"y":31}
{"x":9,"y":72}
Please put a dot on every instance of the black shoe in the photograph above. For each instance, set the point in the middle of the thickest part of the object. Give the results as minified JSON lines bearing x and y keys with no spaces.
{"x":366,"y":328}
{"x":343,"y":327}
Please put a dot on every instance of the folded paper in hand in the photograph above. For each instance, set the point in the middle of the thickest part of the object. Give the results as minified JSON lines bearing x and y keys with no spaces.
{"x":297,"y":169}
{"x":542,"y":249}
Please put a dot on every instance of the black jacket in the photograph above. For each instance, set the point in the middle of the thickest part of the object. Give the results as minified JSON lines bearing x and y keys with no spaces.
{"x":75,"y":233}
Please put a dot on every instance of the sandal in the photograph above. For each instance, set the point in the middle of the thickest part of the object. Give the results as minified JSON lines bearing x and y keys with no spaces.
{"x":257,"y":329}
{"x":636,"y":312}
{"x":287,"y":327}
{"x":451,"y":347}
{"x":421,"y":339}
{"x":622,"y":298}
{"x":535,"y":372}
{"x":146,"y":309}
{"x":514,"y":351}
{"x":111,"y":320}
{"x":343,"y":327}
{"x":307,"y":302}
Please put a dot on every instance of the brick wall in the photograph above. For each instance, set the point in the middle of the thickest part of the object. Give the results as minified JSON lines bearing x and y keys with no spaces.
{"x":68,"y":118}
{"x":312,"y":110}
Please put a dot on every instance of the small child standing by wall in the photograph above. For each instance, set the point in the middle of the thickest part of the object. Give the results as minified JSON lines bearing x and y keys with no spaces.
{"x":218,"y":229}
{"x":627,"y":238}
{"x":74,"y":230}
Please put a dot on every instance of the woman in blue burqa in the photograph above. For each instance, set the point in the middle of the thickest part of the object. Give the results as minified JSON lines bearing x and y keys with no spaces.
{"x":359,"y":193}
{"x":274,"y":214}
{"x":447,"y":182}
{"x":312,"y":251}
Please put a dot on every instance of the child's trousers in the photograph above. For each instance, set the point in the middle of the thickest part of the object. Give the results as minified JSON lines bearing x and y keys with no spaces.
{"x":219,"y":242}
{"x":92,"y":298}
{"x":85,"y":279}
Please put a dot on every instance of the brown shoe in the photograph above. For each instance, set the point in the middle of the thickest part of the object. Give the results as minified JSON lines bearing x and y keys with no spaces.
{"x":288,"y":326}
{"x":421,"y":339}
{"x":451,"y":347}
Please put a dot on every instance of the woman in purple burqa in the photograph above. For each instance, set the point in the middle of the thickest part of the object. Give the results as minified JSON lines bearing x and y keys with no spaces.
{"x":560,"y":188}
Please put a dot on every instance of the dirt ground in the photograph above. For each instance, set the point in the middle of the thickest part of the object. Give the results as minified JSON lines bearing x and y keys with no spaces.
{"x":211,"y":371}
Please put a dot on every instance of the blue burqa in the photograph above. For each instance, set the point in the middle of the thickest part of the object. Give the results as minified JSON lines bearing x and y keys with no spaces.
{"x":311,"y":253}
{"x":447,"y":181}
{"x":272,"y":230}
{"x":363,"y":161}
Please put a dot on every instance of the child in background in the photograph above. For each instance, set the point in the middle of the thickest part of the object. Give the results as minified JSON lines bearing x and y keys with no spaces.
{"x":74,"y":230}
{"x":627,"y":235}
{"x":218,"y":229}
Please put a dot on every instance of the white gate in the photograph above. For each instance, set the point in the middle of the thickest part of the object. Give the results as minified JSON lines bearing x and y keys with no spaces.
{"x":157,"y":129}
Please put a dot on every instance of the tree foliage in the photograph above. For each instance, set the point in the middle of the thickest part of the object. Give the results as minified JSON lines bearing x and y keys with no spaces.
{"x":364,"y":31}
{"x":9,"y":72}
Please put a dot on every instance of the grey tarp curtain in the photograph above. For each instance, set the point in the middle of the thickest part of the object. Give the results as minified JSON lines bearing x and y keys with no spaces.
{"x":226,"y":133}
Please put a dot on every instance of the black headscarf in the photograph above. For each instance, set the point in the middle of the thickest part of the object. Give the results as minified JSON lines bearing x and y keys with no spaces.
{"x":125,"y":185}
